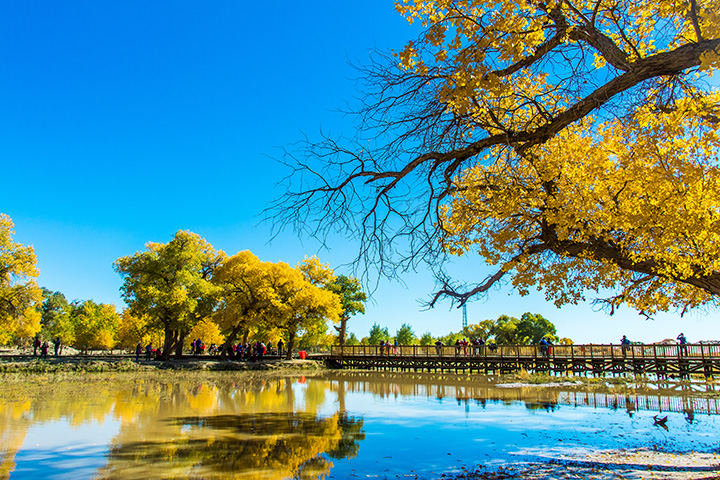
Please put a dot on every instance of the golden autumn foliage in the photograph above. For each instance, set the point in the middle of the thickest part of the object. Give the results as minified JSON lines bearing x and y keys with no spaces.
{"x":171,"y":284}
{"x":208,"y":331}
{"x":303,"y":307}
{"x":19,"y":292}
{"x":572,"y":144}
{"x":134,"y":329}
{"x":95,"y":325}
{"x":259,"y":296}
{"x":638,"y":218}
{"x":246,"y":294}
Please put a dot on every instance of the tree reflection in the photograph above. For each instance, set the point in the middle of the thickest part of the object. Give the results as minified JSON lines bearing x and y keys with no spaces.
{"x":258,"y":445}
{"x":192,"y":426}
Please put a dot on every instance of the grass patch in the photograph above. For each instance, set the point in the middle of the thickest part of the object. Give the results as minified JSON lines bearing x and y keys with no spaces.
{"x":88,"y":366}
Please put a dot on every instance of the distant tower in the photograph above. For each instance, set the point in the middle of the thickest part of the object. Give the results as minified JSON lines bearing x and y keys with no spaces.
{"x":464,"y":315}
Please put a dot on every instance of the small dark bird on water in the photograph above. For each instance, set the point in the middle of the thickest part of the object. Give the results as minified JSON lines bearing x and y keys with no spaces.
{"x":660,"y":421}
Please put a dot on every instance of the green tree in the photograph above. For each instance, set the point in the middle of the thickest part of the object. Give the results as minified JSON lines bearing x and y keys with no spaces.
{"x":451,"y":338}
{"x":171,"y":283}
{"x":352,"y":299}
{"x":479,"y":330}
{"x":55,"y":317}
{"x":377,"y":335}
{"x":505,"y":330}
{"x":405,"y":335}
{"x":427,"y":339}
{"x":352,"y":339}
{"x":19,"y":292}
{"x":532,"y":327}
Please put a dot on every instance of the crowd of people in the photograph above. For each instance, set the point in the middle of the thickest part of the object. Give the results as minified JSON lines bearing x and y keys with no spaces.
{"x":45,"y":346}
{"x":248,"y":351}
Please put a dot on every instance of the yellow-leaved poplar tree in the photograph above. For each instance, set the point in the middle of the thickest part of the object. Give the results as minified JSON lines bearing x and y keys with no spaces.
{"x":300,"y":306}
{"x":95,"y":325}
{"x":246,"y":294}
{"x":133,"y":329}
{"x":19,"y":292}
{"x":171,"y":284}
{"x":571,"y":145}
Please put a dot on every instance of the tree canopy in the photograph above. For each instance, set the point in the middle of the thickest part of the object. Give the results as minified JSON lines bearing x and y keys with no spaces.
{"x":572,"y":144}
{"x":352,"y":299}
{"x":302,"y":304}
{"x":378,"y":334}
{"x":248,"y":296}
{"x":95,"y":325}
{"x":171,"y":284}
{"x":19,"y":292}
{"x":56,"y":317}
{"x":405,"y":335}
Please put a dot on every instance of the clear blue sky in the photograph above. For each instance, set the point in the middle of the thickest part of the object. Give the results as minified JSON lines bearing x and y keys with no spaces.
{"x":123,"y":122}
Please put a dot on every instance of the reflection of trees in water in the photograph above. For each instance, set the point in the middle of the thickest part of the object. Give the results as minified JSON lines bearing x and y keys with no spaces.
{"x":220,"y":425}
{"x":663,"y":396}
{"x":232,"y":429}
{"x":269,"y":445}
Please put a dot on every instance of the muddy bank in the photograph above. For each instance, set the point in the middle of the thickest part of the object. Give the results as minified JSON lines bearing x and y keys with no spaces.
{"x":604,"y":465}
{"x":83,"y":364}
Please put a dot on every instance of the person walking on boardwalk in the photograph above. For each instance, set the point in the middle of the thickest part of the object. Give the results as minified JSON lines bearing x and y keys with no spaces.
{"x":683,"y":343}
{"x":438,"y":348}
{"x":57,"y":346}
{"x":138,"y":351}
{"x":624,"y":342}
{"x":36,"y":345}
{"x":544,"y":346}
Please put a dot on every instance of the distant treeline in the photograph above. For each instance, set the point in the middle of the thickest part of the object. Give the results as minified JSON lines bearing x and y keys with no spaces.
{"x":505,"y":330}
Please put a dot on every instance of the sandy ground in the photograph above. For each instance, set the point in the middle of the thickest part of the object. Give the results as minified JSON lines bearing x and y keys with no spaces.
{"x":636,"y":464}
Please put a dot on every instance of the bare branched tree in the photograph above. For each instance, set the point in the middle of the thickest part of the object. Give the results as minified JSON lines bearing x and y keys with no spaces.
{"x":442,"y":106}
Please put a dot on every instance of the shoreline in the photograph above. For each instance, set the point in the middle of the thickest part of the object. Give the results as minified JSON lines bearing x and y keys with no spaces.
{"x":605,"y":465}
{"x":99,"y":364}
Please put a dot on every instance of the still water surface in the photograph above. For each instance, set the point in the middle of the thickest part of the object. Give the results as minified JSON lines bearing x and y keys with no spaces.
{"x":336,"y":425}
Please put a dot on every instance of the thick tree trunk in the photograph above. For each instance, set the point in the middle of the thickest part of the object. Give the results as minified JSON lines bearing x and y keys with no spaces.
{"x":168,"y":343}
{"x":228,"y":343}
{"x":179,"y":345}
{"x":290,"y":345}
{"x":342,"y":329}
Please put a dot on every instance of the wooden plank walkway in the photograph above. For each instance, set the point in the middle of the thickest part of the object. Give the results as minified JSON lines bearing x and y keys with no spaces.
{"x":661,"y":360}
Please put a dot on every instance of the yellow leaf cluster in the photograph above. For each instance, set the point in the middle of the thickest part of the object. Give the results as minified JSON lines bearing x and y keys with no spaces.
{"x":19,"y":292}
{"x":472,"y":43}
{"x":632,"y":208}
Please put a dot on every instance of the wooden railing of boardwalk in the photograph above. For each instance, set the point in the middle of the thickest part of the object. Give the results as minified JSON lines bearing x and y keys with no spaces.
{"x":661,"y":360}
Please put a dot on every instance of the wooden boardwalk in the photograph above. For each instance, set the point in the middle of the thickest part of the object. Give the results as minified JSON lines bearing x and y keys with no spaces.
{"x":661,"y":360}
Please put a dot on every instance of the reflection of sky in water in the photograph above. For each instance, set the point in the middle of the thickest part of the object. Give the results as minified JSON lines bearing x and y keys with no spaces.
{"x":424,"y":435}
{"x":58,"y":450}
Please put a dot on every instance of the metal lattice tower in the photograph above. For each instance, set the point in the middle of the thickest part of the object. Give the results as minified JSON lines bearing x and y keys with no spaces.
{"x":464,"y":315}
